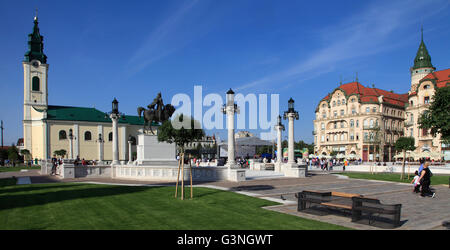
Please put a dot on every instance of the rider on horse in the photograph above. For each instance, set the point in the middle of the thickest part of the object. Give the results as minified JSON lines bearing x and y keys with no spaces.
{"x":157,"y":101}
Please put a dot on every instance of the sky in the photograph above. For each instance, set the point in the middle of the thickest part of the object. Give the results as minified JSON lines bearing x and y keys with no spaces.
{"x":131,"y":50}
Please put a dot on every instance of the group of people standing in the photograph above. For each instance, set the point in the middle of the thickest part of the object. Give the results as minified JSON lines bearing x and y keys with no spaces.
{"x":422,"y":180}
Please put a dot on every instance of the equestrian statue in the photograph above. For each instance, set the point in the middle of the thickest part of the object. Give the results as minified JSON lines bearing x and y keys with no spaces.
{"x":156,"y":112}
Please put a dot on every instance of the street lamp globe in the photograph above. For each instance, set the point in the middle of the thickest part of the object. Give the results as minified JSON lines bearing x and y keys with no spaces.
{"x":115,"y":106}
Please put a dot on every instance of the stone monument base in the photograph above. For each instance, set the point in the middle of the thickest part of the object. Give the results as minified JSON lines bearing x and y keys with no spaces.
{"x":294,"y":170}
{"x":151,"y":152}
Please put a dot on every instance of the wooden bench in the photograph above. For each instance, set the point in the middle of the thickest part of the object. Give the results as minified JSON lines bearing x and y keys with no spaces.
{"x":361,"y":207}
{"x":373,"y":210}
{"x":328,"y":199}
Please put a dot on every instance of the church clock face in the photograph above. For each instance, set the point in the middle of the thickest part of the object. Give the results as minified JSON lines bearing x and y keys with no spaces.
{"x":35,"y":64}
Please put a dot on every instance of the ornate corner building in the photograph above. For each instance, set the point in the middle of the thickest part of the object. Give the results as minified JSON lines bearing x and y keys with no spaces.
{"x":365,"y":122}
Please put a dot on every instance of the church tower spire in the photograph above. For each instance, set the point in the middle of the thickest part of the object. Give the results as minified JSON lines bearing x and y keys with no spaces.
{"x":35,"y":44}
{"x":422,"y":64}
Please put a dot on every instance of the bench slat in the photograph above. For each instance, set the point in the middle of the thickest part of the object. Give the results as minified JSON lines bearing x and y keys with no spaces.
{"x":329,"y":204}
{"x":348,"y":195}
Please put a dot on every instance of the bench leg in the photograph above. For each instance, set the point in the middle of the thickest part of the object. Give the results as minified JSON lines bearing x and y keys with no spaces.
{"x":356,"y":215}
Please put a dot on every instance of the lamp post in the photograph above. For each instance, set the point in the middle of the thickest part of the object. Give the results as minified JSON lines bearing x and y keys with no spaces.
{"x":100,"y":148}
{"x":230,"y":108}
{"x":279,"y":128}
{"x":291,"y":114}
{"x":71,"y":143}
{"x":115,"y":115}
{"x":130,"y":155}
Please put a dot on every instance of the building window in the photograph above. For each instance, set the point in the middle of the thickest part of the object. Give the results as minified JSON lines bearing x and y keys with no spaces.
{"x":324,"y":115}
{"x":87,"y":136}
{"x":335,"y":138}
{"x":367,"y":110}
{"x":62,"y":135}
{"x":412,"y":103}
{"x":334,"y":103}
{"x":353,"y":111}
{"x":110,"y":136}
{"x":374,"y":110}
{"x":323,"y":105}
{"x":352,"y":123}
{"x":411,"y":132}
{"x":352,"y":137}
{"x":342,"y":124}
{"x":342,"y":112}
{"x":426,"y":99}
{"x":342,"y":137}
{"x":322,"y":139}
{"x":343,"y":101}
{"x":339,"y":102}
{"x":322,"y":126}
{"x":36,"y":84}
{"x":426,"y":86}
{"x":335,"y":125}
{"x":357,"y":123}
{"x":335,"y":113}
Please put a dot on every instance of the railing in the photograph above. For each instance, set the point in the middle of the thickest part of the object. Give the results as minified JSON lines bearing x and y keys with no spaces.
{"x":371,"y":127}
{"x":368,"y":140}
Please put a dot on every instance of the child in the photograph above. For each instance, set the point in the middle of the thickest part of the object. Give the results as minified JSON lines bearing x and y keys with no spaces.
{"x":416,"y":183}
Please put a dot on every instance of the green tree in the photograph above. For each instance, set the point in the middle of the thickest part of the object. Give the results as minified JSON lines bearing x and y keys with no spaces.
{"x":437,"y":117}
{"x":26,"y":154}
{"x":13,"y":153}
{"x":404,"y":144}
{"x":185,"y":133}
{"x":61,"y":152}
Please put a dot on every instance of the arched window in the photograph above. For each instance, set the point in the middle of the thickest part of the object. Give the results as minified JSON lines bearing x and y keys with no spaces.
{"x":426,"y":86}
{"x":339,"y":102}
{"x":357,"y":123}
{"x":87,"y":136}
{"x":352,"y":123}
{"x":110,"y":136}
{"x":62,"y":135}
{"x":322,"y":126}
{"x":334,"y":103}
{"x":343,"y":101}
{"x":35,"y":84}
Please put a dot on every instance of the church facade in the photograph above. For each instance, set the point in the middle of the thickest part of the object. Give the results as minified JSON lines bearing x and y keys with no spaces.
{"x":365,"y":122}
{"x":82,"y":132}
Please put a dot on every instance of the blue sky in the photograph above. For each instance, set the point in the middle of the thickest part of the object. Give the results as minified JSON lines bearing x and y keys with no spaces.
{"x":131,"y":50}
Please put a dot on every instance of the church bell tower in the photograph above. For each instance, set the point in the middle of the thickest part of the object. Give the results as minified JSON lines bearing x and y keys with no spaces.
{"x":35,"y":101}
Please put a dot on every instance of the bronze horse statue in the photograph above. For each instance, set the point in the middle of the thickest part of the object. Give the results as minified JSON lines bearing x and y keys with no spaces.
{"x":155,"y":115}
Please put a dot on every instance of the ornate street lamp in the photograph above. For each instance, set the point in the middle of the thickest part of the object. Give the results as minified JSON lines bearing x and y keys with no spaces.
{"x":291,"y":114}
{"x":71,"y":137}
{"x":230,"y":109}
{"x":115,"y":107}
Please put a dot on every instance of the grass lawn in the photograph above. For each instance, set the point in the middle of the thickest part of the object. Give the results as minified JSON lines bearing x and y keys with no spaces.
{"x":435,"y":180}
{"x":17,"y":168}
{"x":91,"y":206}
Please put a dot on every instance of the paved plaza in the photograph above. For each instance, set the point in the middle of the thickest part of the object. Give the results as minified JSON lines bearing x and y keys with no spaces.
{"x":418,"y":213}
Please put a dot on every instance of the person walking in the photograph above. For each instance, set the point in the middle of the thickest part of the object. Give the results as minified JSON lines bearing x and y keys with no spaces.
{"x":425,"y":181}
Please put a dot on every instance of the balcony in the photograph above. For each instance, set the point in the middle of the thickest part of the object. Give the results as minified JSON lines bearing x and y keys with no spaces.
{"x":371,"y":140}
{"x":371,"y":127}
{"x":314,"y":132}
{"x":409,"y":123}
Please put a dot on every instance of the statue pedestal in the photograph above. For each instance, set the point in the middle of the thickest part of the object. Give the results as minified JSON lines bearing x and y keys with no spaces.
{"x":151,"y":152}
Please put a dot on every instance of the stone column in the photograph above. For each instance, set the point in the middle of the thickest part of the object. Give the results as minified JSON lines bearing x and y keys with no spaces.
{"x":71,"y":148}
{"x":230,"y":124}
{"x":291,"y":155}
{"x":115,"y":142}
{"x":230,"y":109}
{"x":279,"y":128}
{"x":130,"y":156}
